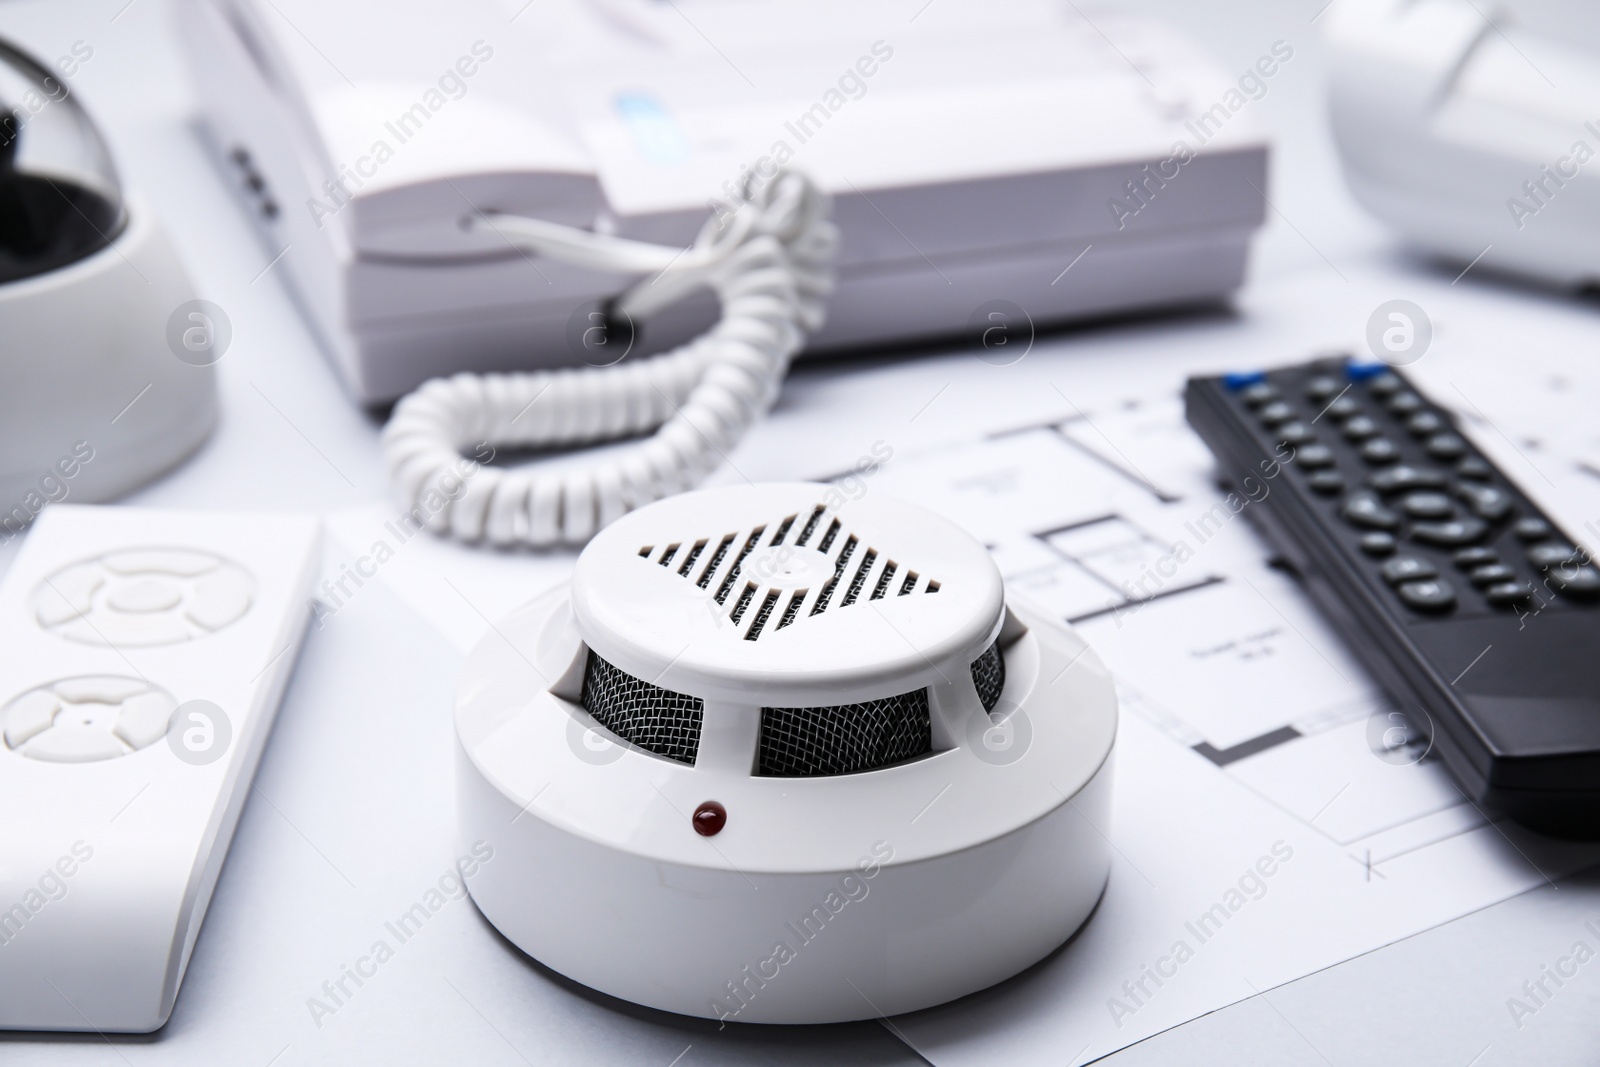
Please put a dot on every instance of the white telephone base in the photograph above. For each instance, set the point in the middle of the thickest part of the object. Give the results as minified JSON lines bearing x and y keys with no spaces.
{"x":977,"y":156}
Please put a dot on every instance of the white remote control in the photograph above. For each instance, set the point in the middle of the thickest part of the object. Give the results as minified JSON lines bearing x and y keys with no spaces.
{"x":145,"y":653}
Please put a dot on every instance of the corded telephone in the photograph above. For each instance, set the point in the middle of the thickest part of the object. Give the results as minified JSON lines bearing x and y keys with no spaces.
{"x":971,"y":152}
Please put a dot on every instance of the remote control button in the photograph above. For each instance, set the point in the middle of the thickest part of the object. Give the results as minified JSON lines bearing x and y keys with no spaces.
{"x":1240,"y":378}
{"x":1543,"y":556}
{"x":1474,"y":468}
{"x":1314,"y":457}
{"x":1398,"y":479}
{"x":1380,"y":450}
{"x":1532,"y":528}
{"x":1492,"y":574}
{"x":1427,"y":506}
{"x":99,"y":689}
{"x":219,"y":599}
{"x":62,"y":745}
{"x":175,"y":561}
{"x":1434,"y":594}
{"x":1327,"y":482}
{"x":1468,"y":558}
{"x":30,"y":714}
{"x":1323,"y":387}
{"x":1342,"y":408}
{"x":1360,"y":428}
{"x":1505,"y":594}
{"x":1377,"y":543}
{"x":1408,"y":569}
{"x":1365,"y":509}
{"x":1446,"y":446}
{"x":1276,"y":412}
{"x":1296,"y":433}
{"x":1405,"y":403}
{"x":1578,"y":582}
{"x":68,"y":595}
{"x":1566,"y":569}
{"x":1258,"y":394}
{"x":1424,"y":423}
{"x":1486,"y":501}
{"x":140,"y":597}
{"x":143,"y":719}
{"x":1450,"y":534}
{"x":1386,"y":384}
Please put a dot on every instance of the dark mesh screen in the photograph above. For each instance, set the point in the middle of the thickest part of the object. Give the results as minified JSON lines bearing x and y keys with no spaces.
{"x":655,"y":719}
{"x":795,"y":742}
{"x":989,"y":675}
{"x":806,"y":742}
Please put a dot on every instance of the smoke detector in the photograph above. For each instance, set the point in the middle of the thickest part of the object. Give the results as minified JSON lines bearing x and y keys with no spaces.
{"x":773,"y":756}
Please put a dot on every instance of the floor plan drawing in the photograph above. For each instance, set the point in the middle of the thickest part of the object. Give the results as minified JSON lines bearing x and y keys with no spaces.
{"x":1270,"y":733}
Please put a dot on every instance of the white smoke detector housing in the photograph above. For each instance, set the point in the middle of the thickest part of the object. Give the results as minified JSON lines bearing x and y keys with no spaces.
{"x":775,"y":756}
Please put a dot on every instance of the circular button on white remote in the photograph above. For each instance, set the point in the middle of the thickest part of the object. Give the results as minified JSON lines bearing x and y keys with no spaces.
{"x":143,"y":597}
{"x":151,"y":594}
{"x":87,"y":718}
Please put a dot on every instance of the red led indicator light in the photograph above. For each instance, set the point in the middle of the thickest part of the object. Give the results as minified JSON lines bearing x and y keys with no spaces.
{"x":710,"y":818}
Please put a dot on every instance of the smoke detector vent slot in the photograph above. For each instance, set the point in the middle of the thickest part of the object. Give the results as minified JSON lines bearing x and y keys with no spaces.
{"x":783,"y":530}
{"x":811,"y":526}
{"x":688,"y":561}
{"x":827,"y":538}
{"x":838,"y":571}
{"x":744,"y":602}
{"x":793,"y":609}
{"x":716,"y":561}
{"x":733,"y":571}
{"x":762,"y":616}
{"x":883,"y":580}
{"x":860,"y":579}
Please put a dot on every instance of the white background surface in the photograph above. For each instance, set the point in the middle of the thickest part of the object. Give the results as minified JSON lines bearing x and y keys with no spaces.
{"x":358,"y":773}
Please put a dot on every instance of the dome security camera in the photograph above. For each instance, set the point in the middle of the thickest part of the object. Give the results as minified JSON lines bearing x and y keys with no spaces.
{"x":105,"y":356}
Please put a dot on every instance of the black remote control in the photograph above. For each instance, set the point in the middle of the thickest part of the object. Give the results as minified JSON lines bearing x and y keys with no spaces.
{"x":1460,"y":597}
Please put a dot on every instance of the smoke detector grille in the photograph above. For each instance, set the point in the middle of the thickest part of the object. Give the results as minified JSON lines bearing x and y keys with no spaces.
{"x":794,"y":742}
{"x":809,"y":742}
{"x":648,"y":716}
{"x":766,"y":558}
{"x":989,"y":675}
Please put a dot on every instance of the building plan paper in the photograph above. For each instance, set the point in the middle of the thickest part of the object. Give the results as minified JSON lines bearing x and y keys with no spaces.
{"x":1262,"y":828}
